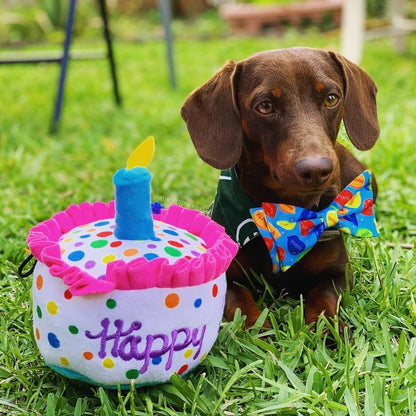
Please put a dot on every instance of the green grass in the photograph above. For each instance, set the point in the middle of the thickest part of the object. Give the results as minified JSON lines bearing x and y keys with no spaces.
{"x":291,"y":372}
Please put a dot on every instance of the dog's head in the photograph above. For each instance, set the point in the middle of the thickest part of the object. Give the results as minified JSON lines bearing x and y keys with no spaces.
{"x":285,"y":107}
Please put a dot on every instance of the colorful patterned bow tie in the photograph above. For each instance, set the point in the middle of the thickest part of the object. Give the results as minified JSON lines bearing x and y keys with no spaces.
{"x":290,"y":232}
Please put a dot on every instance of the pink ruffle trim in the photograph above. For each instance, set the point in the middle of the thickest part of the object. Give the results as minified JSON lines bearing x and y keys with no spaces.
{"x":139,"y":273}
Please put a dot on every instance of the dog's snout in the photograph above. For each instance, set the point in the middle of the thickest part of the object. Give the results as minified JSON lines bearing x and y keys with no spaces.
{"x":314,"y":172}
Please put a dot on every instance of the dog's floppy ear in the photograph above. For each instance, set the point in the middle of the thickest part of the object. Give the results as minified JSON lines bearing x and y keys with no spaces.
{"x":360,"y":111}
{"x":213,"y":120}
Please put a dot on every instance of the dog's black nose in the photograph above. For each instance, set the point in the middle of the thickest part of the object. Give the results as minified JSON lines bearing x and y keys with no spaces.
{"x":314,"y":172}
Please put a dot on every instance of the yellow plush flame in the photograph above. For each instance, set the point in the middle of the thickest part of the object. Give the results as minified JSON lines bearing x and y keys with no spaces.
{"x":143,"y":154}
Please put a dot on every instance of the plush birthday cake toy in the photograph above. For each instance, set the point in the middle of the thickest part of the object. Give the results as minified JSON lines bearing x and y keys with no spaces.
{"x":125,"y":295}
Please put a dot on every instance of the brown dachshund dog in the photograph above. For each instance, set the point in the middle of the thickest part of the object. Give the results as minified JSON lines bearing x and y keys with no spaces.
{"x":273,"y":120}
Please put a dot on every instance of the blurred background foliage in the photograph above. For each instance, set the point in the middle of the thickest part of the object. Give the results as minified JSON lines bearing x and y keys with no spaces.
{"x":24,"y":22}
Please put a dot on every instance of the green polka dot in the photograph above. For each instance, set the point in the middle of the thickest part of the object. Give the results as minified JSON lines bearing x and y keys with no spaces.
{"x":172,"y":251}
{"x":99,"y":243}
{"x":73,"y":329}
{"x":39,"y":312}
{"x":192,"y":236}
{"x":132,"y":374}
{"x":111,"y":303}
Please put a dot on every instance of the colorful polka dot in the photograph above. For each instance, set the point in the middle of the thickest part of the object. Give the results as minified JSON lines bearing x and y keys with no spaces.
{"x":39,"y":282}
{"x":156,"y":360}
{"x":172,"y":300}
{"x":116,"y":244}
{"x":64,"y":361}
{"x":175,"y":243}
{"x":37,"y":334}
{"x":39,"y":312}
{"x":214,"y":290}
{"x":53,"y":340}
{"x":108,"y":363}
{"x":76,"y":255}
{"x":172,"y":251}
{"x":151,"y":246}
{"x":170,"y":232}
{"x":191,"y":236}
{"x":111,"y":303}
{"x":101,"y":223}
{"x":130,"y":252}
{"x":198,"y":303}
{"x":78,"y":244}
{"x":132,"y":374}
{"x":85,"y":236}
{"x":108,"y":258}
{"x":99,"y":243}
{"x":103,"y":234}
{"x":188,"y":353}
{"x":52,"y":307}
{"x":73,"y":329}
{"x":150,"y":256}
{"x":183,"y":369}
{"x":88,"y":355}
{"x":68,"y":295}
{"x":90,"y":264}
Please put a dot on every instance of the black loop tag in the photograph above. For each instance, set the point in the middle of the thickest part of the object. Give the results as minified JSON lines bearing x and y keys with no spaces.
{"x":21,"y":268}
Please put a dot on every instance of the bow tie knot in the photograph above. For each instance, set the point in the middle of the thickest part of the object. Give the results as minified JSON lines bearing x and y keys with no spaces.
{"x":290,"y":232}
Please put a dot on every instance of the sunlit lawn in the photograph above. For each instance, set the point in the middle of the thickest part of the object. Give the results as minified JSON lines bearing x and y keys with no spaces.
{"x":290,"y":372}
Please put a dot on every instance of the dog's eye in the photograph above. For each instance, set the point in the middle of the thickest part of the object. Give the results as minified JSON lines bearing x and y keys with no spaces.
{"x":331,"y":100}
{"x":265,"y":107}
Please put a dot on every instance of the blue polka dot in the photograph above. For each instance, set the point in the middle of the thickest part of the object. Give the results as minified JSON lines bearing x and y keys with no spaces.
{"x":156,"y":360}
{"x":198,"y":302}
{"x":150,"y":256}
{"x":155,"y":239}
{"x":76,"y":255}
{"x":84,"y":235}
{"x":101,"y":223}
{"x":53,"y":340}
{"x":171,"y":232}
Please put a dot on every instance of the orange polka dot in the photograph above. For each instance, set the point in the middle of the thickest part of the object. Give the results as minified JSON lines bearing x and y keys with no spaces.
{"x":88,"y":355}
{"x":172,"y":300}
{"x":37,"y":334}
{"x":130,"y":252}
{"x":39,"y":282}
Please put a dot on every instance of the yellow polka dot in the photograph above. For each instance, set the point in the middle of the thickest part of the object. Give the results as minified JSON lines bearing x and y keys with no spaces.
{"x":109,"y":258}
{"x":64,"y":361}
{"x":52,"y":307}
{"x":67,"y":240}
{"x":108,"y":363}
{"x":188,"y":353}
{"x":201,"y":249}
{"x":203,"y":357}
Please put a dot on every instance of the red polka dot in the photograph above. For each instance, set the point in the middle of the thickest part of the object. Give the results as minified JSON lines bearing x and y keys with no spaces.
{"x":183,"y":369}
{"x":104,"y":234}
{"x":204,"y":245}
{"x":175,"y":243}
{"x":116,"y":244}
{"x":214,"y":291}
{"x":67,"y":294}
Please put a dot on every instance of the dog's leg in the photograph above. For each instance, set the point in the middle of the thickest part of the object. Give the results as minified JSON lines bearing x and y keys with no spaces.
{"x":240,"y":297}
{"x":324,"y":299}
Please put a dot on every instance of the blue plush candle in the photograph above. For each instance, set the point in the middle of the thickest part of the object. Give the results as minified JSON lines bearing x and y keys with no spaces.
{"x":133,"y":218}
